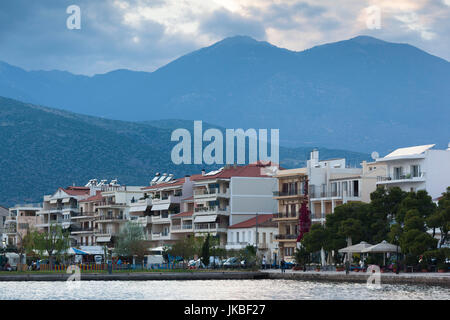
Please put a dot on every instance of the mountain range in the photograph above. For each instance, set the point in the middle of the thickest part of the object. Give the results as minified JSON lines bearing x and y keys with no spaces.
{"x":45,"y":148}
{"x":361,"y":94}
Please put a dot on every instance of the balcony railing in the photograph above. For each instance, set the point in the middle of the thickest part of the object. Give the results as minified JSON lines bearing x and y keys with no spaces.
{"x":209,"y":226}
{"x":400,"y":177}
{"x":288,"y":193}
{"x":181,"y":227}
{"x":211,"y":209}
{"x":286,"y":236}
{"x":286,"y":215}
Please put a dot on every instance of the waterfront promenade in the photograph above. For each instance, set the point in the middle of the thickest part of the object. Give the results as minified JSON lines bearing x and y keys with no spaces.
{"x":430,"y":279}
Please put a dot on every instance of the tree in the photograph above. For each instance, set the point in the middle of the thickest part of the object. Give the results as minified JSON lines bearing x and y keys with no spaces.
{"x":131,"y":241}
{"x":55,"y":242}
{"x":415,"y":242}
{"x":441,"y":218}
{"x":301,"y":256}
{"x":315,"y":239}
{"x":248,"y":254}
{"x":385,"y":202}
{"x":420,"y":201}
{"x":205,"y":251}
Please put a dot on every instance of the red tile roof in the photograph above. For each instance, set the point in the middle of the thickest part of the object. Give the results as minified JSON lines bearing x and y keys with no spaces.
{"x":183,"y":214}
{"x":77,"y":191}
{"x":250,"y":223}
{"x":250,"y":170}
{"x":98,"y":196}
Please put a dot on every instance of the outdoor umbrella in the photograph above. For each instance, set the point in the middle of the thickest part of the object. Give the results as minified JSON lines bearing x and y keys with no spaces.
{"x":357,"y":248}
{"x":382,"y":247}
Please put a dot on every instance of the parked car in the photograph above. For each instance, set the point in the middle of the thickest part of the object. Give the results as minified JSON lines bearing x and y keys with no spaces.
{"x":232,"y":262}
{"x":196,"y":264}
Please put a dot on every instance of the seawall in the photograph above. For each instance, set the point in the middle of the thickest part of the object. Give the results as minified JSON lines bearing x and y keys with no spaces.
{"x":431,"y":279}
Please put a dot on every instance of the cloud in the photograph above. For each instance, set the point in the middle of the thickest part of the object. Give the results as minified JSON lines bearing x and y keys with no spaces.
{"x":223,"y":23}
{"x":145,"y":34}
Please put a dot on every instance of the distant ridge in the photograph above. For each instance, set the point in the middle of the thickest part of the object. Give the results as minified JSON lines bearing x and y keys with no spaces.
{"x":357,"y":94}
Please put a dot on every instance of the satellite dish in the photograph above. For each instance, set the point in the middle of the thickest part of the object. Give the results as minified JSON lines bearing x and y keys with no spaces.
{"x":375,"y":155}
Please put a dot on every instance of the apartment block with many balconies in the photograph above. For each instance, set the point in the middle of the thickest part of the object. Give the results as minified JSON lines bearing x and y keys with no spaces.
{"x":417,"y":168}
{"x":60,"y":207}
{"x":113,"y":211}
{"x":231,"y":195}
{"x":291,"y":194}
{"x":169,"y":218}
{"x":21,"y":219}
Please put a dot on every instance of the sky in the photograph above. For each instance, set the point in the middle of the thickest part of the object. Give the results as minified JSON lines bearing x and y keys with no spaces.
{"x":146,"y":34}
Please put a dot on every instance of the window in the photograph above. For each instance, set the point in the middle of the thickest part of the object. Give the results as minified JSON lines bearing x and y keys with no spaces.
{"x":289,"y":251}
{"x":355,"y":188}
{"x":415,"y":171}
{"x":398,"y":173}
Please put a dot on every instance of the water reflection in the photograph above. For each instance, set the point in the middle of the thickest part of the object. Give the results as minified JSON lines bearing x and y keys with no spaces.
{"x":216,"y":290}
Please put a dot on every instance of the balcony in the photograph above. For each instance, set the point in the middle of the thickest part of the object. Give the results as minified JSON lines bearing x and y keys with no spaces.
{"x":145,"y":220}
{"x":210,"y":227}
{"x":181,"y":228}
{"x":286,"y":237}
{"x":212,"y":210}
{"x":401,"y":178}
{"x":108,"y":218}
{"x":211,"y":193}
{"x":161,"y":219}
{"x":286,"y":215}
{"x":160,"y":236}
{"x":78,"y":230}
{"x":290,"y":193}
{"x":167,"y":199}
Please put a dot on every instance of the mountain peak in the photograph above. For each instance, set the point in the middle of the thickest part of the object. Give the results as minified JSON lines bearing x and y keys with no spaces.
{"x":363,"y":39}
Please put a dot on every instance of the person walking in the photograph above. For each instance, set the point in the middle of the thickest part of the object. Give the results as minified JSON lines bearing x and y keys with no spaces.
{"x":264,"y":262}
{"x":282,"y":265}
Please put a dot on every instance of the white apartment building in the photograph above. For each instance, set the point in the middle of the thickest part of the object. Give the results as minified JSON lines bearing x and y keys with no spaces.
{"x":231,"y":195}
{"x":417,"y":168}
{"x":60,"y":207}
{"x":4,"y":213}
{"x":332,"y":183}
{"x":166,"y":210}
{"x":113,"y":211}
{"x":259,"y":232}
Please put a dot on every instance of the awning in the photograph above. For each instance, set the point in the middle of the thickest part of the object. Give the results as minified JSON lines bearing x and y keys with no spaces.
{"x":104,"y":239}
{"x":93,"y":249}
{"x":66,"y":200}
{"x":209,"y":218}
{"x":53,"y":201}
{"x":138,"y":208}
{"x":158,"y":207}
{"x":77,"y":251}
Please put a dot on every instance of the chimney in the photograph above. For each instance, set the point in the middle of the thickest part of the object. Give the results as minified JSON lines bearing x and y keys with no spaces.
{"x":203,"y":172}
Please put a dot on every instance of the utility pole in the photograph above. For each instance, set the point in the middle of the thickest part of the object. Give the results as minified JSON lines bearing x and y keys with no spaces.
{"x":257,"y":234}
